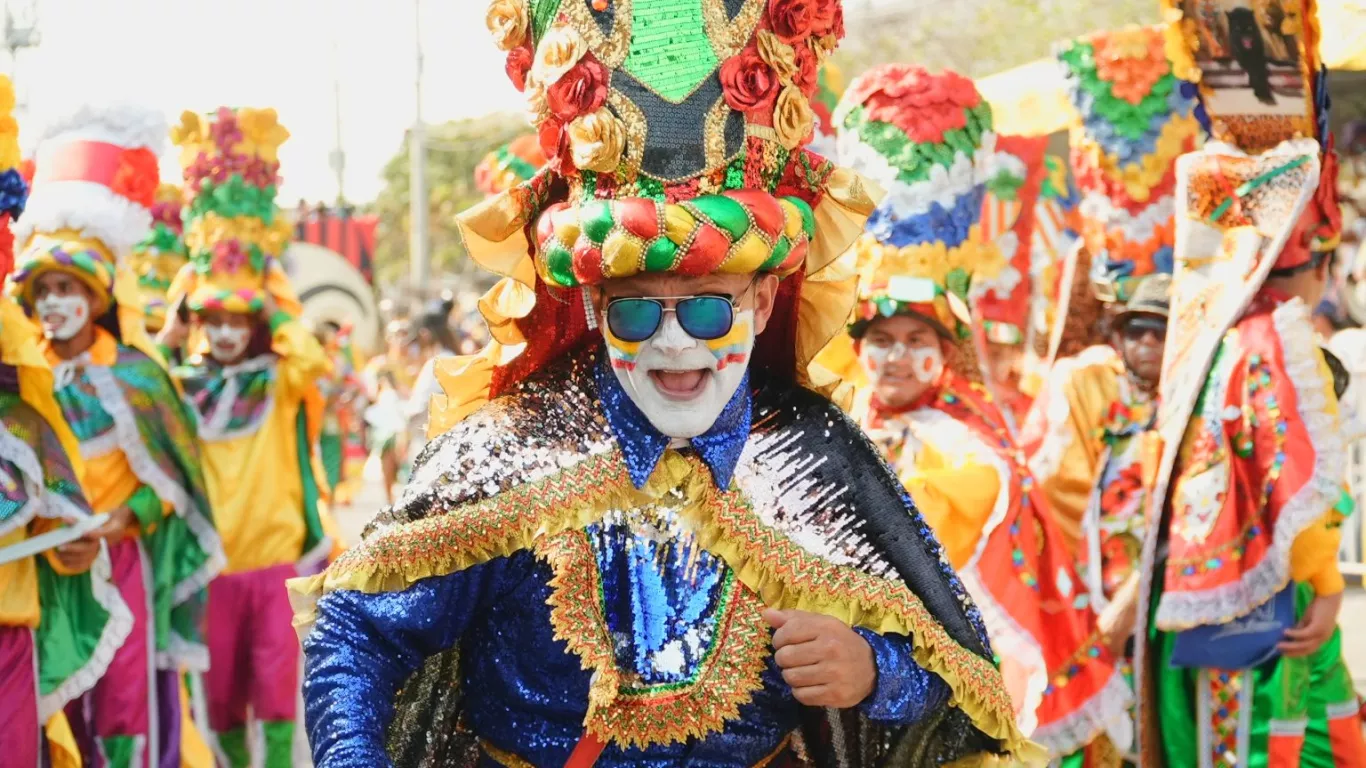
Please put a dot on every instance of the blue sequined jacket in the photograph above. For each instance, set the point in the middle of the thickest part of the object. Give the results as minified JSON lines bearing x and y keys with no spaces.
{"x":667,"y":603}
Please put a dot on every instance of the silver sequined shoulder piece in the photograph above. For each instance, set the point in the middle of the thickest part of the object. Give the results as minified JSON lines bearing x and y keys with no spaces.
{"x":788,"y":473}
{"x":549,"y":423}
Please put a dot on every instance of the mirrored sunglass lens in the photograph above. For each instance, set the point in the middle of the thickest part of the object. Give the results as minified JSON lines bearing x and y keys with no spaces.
{"x":633,"y":319}
{"x":706,"y":317}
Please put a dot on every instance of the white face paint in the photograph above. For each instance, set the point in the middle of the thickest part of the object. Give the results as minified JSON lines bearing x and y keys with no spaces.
{"x":683,"y":384}
{"x":62,"y":316}
{"x":226,"y":342}
{"x":921,"y":364}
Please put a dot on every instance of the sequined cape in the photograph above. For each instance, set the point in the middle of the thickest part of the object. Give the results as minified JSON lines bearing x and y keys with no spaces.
{"x":813,"y":520}
{"x":134,"y":407}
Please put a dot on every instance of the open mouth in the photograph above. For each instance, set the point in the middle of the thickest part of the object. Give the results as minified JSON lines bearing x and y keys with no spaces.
{"x":680,"y":385}
{"x":53,"y":320}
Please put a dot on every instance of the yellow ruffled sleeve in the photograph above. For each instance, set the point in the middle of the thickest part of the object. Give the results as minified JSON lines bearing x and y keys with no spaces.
{"x":956,"y":501}
{"x":1068,"y":460}
{"x":302,"y":359}
{"x":1314,"y":555}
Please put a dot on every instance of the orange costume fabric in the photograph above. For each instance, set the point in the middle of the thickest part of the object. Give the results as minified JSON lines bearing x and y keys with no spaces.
{"x":961,"y":466}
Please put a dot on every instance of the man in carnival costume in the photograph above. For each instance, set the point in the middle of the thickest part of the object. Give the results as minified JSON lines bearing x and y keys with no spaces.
{"x":928,"y":411}
{"x":253,"y":395}
{"x":95,"y":177}
{"x":61,"y":619}
{"x":638,"y":538}
{"x":1134,"y":120}
{"x":1240,"y":658}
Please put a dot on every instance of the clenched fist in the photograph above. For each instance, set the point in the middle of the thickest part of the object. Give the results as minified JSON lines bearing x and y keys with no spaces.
{"x":826,"y":663}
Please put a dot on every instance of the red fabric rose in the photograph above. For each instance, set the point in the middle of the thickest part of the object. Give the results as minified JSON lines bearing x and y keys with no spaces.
{"x":823,"y":17}
{"x":791,"y":20}
{"x":808,"y":70}
{"x":137,"y":176}
{"x":579,"y":91}
{"x":518,"y":64}
{"x":749,"y":84}
{"x":554,"y":141}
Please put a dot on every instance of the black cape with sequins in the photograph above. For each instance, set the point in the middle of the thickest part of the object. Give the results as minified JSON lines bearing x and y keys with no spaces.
{"x":520,"y":436}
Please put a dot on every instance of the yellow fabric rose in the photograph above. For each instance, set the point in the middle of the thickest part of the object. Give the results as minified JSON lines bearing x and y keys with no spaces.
{"x":262,"y":133}
{"x":778,"y":55}
{"x":508,"y":23}
{"x":596,"y":141}
{"x":792,"y":117}
{"x":559,"y":51}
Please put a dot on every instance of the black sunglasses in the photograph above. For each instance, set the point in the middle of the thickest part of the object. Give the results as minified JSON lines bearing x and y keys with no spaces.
{"x":1138,"y":327}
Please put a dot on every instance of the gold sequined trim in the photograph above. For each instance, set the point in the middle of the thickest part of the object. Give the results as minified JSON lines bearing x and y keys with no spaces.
{"x":726,"y":680}
{"x":633,"y":119}
{"x":506,"y":759}
{"x":729,"y":36}
{"x":611,"y":49}
{"x":714,"y":134}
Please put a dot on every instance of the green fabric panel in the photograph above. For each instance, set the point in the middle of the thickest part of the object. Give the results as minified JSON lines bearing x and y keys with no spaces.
{"x":119,"y":751}
{"x":330,"y":446}
{"x":233,"y":744}
{"x":176,"y":557}
{"x":146,"y":507}
{"x":542,"y":13}
{"x":312,"y":522}
{"x":279,"y":738}
{"x":70,"y":628}
{"x":670,"y":53}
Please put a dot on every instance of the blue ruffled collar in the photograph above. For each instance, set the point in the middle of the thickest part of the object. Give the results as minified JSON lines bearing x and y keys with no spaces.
{"x":643,"y":445}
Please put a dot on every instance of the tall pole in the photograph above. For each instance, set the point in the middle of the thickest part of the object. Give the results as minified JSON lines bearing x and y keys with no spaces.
{"x":417,"y":174}
{"x":338,"y":155}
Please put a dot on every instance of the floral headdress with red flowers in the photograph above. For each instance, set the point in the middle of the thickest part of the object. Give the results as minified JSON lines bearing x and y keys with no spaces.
{"x":675,"y":138}
{"x":509,"y":165}
{"x":234,"y":233}
{"x":95,"y":179}
{"x":1135,"y":116}
{"x":159,"y":256}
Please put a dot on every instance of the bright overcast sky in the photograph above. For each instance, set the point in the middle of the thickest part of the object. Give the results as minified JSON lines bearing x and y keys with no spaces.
{"x":200,"y":54}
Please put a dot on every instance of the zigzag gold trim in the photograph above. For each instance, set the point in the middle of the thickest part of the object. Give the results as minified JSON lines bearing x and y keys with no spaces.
{"x":727,"y":679}
{"x":766,"y":561}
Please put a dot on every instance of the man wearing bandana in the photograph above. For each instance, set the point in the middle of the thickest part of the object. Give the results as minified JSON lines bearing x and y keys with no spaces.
{"x":94,"y":183}
{"x":927,"y":408}
{"x":639,"y":534}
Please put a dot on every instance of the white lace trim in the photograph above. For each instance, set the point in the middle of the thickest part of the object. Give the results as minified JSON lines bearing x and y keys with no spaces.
{"x":214,"y":427}
{"x":1107,"y":711}
{"x":116,"y":631}
{"x":1008,"y":638}
{"x":166,"y":488}
{"x":42,"y":501}
{"x":1323,"y":489}
{"x":183,"y":655}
